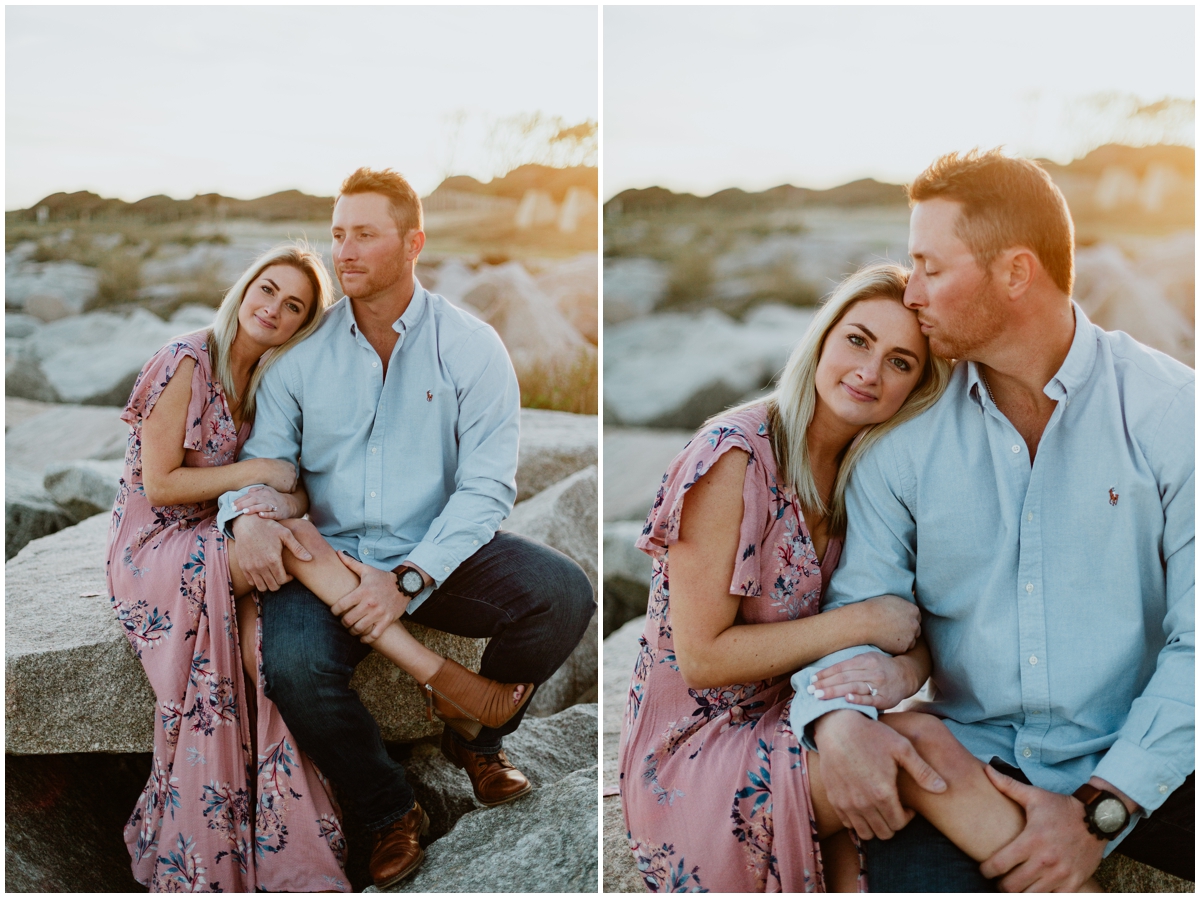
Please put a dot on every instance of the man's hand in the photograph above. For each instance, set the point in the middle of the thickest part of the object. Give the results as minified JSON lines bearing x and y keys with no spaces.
{"x":374,"y":606}
{"x":1054,"y":853}
{"x":260,"y":545}
{"x":860,"y":759}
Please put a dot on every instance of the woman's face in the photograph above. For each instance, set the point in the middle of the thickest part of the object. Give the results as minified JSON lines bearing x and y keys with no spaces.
{"x":870,"y":362}
{"x":275,"y":305}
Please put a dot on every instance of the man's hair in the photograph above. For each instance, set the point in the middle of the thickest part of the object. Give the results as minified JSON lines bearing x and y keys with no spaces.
{"x":405,"y":204}
{"x":1006,"y":202}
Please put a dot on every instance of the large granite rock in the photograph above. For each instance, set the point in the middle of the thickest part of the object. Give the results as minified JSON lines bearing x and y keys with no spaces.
{"x":1116,"y":297}
{"x":535,"y":333}
{"x":573,"y":287}
{"x":72,"y":682}
{"x":545,"y":842}
{"x":554,"y":445}
{"x":89,"y":359}
{"x":635,"y":460}
{"x":545,"y":749}
{"x":29,"y":512}
{"x":676,"y":370}
{"x":49,"y":290}
{"x":633,"y":288}
{"x":564,"y":518}
{"x":84,"y":488}
{"x":51,"y":434}
{"x":626,"y":574}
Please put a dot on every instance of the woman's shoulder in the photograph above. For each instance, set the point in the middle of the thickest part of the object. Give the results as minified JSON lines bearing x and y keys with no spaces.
{"x":744,"y":429}
{"x":158,"y":371}
{"x":194,"y":345}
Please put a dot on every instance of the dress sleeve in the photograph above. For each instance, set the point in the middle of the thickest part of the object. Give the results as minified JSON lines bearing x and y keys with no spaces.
{"x":696,"y":459}
{"x":153,"y":379}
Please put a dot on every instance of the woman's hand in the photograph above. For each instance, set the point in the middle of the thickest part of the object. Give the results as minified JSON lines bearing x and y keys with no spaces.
{"x":278,"y":474}
{"x":892,"y":623}
{"x":869,"y":679}
{"x":267,"y":503}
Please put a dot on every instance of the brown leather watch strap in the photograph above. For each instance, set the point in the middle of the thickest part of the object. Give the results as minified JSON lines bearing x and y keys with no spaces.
{"x":1086,"y":793}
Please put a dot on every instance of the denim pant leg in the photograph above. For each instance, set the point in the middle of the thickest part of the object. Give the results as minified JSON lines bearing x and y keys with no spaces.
{"x":921,"y":859}
{"x":308,"y":658}
{"x":533,"y":602}
{"x":1166,"y":839}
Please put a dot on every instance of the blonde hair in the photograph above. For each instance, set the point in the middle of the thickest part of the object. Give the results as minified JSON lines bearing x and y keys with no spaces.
{"x":221,"y":336}
{"x":791,"y":404}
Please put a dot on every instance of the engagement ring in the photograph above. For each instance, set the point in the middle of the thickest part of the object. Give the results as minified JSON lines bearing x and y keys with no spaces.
{"x":874,"y":691}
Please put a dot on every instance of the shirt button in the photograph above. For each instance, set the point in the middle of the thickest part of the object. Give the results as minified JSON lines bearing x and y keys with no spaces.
{"x":374,"y":450}
{"x":1028,"y":517}
{"x":1162,"y":789}
{"x":372,"y":494}
{"x":1037,"y":712}
{"x":1028,"y":586}
{"x":1027,"y":753}
{"x":474,"y":542}
{"x":1033,"y":659}
{"x":366,"y":551}
{"x":446,"y":569}
{"x":1016,"y":449}
{"x":374,"y":364}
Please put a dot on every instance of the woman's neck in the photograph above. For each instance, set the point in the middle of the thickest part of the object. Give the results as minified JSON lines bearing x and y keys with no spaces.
{"x":827,"y":438}
{"x":243,"y":356}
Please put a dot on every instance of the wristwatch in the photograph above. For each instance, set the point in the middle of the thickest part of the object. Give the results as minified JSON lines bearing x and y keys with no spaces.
{"x":1104,"y":813}
{"x":410,"y":580}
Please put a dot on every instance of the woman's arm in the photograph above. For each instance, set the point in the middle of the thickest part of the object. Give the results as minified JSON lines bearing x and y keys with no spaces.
{"x":711,"y":648}
{"x":167,"y":481}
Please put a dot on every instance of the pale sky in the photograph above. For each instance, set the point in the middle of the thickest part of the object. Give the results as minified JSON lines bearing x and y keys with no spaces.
{"x":133,"y":101}
{"x":702,"y":98}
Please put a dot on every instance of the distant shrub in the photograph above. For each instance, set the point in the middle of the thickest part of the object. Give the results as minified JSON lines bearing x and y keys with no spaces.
{"x":120,"y":279}
{"x":574,"y":387}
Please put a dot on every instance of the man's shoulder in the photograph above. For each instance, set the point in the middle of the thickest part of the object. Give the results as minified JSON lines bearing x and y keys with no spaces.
{"x":1143,"y":369}
{"x":457,"y":328}
{"x":923,"y":430}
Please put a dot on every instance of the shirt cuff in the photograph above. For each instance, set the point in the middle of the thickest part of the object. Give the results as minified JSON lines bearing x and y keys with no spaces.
{"x":806,"y":708}
{"x":434,"y":560}
{"x":1141,"y":775}
{"x":225,"y":510}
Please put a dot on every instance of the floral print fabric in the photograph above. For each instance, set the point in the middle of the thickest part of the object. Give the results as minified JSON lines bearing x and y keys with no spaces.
{"x":221,"y":812}
{"x":714,"y":783}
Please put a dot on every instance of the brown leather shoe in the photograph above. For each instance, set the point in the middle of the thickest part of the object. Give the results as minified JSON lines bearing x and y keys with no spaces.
{"x":493,"y":777}
{"x":397,"y":852}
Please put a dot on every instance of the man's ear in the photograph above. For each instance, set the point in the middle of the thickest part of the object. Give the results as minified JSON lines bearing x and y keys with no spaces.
{"x":415,"y":242}
{"x":1020,"y":267}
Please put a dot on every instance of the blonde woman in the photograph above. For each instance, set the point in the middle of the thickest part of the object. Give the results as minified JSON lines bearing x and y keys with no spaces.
{"x":231,"y":802}
{"x":718,"y":793}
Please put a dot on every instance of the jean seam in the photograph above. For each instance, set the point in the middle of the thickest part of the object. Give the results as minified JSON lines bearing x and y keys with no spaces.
{"x":391,"y":818}
{"x":477,"y":601}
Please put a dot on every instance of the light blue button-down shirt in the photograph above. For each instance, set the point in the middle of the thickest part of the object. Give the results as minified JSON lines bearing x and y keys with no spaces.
{"x":1059,"y":600}
{"x":420,"y":467}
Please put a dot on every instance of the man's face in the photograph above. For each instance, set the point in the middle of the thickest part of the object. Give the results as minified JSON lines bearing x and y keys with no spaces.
{"x":958,"y":303}
{"x":368,"y":250}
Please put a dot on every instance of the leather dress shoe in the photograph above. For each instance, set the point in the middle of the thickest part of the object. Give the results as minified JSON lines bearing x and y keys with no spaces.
{"x":397,"y":853}
{"x":493,"y":777}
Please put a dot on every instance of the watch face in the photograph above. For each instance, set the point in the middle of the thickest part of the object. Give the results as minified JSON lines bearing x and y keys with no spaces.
{"x":1110,"y":815}
{"x":411,"y":582}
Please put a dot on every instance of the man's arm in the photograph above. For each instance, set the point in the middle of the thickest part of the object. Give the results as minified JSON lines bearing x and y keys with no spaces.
{"x":1155,"y":747}
{"x":276,"y":434}
{"x":489,"y":421}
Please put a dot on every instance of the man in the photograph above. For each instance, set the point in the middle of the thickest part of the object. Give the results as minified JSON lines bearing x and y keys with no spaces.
{"x":403,"y":414}
{"x":1042,"y":513}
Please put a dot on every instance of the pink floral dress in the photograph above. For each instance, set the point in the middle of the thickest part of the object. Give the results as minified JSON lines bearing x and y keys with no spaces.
{"x":714,"y":782}
{"x":221,"y":812}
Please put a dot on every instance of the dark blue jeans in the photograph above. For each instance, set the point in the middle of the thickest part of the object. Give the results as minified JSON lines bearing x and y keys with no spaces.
{"x":531,"y":601}
{"x":921,"y":859}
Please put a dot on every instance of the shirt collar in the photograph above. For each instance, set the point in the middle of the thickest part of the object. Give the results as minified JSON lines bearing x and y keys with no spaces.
{"x":406,"y":322}
{"x":1071,"y":375}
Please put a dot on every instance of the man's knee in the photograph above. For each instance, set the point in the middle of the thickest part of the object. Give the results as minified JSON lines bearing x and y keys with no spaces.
{"x":566,"y":594}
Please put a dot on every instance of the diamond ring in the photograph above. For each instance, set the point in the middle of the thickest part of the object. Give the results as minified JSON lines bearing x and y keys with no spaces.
{"x":874,"y":691}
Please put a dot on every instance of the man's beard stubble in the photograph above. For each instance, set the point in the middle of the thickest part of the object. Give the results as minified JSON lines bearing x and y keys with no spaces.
{"x":982,"y":321}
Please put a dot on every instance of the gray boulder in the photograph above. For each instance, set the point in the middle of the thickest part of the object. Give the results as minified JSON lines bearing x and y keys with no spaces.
{"x":635,"y":460}
{"x":72,"y":683}
{"x":452,"y":279}
{"x":626,"y":574}
{"x":539,"y":340}
{"x":545,"y":749}
{"x":546,"y":842}
{"x":633,"y":288}
{"x":29,"y":512}
{"x":18,"y":325}
{"x":222,"y":264}
{"x":572,"y":285}
{"x":564,"y":518}
{"x":84,"y":488}
{"x":49,"y":290}
{"x":62,"y":433}
{"x":89,"y":359}
{"x":554,"y":445}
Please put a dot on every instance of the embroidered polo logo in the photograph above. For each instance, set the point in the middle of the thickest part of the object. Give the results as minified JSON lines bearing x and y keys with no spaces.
{"x":429,"y":398}
{"x":1113,"y":495}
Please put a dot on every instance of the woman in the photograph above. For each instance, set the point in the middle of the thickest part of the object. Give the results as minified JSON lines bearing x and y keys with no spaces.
{"x":718,"y":793}
{"x":173,"y":579}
